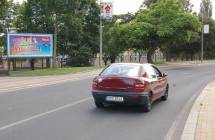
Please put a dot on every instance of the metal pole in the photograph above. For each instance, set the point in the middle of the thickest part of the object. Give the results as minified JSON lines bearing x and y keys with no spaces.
{"x":100,"y":31}
{"x":8,"y":58}
{"x":55,"y":43}
{"x":202,"y":48}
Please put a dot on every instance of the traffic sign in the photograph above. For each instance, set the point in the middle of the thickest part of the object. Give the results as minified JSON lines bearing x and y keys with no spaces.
{"x":206,"y":29}
{"x":107,"y":10}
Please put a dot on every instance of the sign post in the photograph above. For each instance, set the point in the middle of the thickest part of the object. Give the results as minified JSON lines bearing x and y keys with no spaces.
{"x":106,"y":10}
{"x":100,"y":36}
{"x":205,"y":30}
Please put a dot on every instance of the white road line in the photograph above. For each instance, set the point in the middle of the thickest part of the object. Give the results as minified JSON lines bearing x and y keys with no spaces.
{"x":43,"y":114}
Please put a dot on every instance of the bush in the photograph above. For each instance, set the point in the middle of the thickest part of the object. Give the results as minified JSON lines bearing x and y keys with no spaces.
{"x":80,"y":57}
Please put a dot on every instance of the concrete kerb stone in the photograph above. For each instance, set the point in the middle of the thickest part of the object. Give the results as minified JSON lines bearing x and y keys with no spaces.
{"x":9,"y":85}
{"x":192,"y":120}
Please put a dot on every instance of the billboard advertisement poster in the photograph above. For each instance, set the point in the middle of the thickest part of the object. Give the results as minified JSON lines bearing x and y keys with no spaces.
{"x":29,"y":45}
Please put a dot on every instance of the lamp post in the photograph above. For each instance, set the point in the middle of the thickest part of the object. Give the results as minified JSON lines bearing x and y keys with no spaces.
{"x":202,"y":46}
{"x":100,"y":32}
{"x":55,"y":41}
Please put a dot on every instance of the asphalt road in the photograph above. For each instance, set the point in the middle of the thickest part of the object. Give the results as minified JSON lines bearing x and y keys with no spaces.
{"x":66,"y":111}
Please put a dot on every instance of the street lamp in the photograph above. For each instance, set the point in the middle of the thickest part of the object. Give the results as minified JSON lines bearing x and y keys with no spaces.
{"x":55,"y":40}
{"x":202,"y":47}
{"x":100,"y":36}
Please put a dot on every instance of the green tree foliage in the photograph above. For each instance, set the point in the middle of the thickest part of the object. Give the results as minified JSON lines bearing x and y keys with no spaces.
{"x":148,"y":3}
{"x":3,"y":7}
{"x":206,"y":8}
{"x":8,"y":14}
{"x":114,"y":36}
{"x":76,"y":22}
{"x":3,"y":4}
{"x":164,"y":25}
{"x":187,"y":6}
{"x":209,"y":43}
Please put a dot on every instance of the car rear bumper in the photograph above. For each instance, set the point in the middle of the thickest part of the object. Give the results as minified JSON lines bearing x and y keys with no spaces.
{"x":129,"y":98}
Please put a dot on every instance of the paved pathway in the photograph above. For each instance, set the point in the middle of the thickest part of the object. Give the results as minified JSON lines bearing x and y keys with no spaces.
{"x":200,"y":124}
{"x":16,"y":83}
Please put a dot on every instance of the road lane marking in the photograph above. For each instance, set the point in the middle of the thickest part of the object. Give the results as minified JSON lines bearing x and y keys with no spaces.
{"x":44,"y":114}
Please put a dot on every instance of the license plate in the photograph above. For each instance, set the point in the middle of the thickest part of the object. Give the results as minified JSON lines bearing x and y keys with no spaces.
{"x":114,"y":99}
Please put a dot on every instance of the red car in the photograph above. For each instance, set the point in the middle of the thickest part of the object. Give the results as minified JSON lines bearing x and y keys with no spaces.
{"x":130,"y":84}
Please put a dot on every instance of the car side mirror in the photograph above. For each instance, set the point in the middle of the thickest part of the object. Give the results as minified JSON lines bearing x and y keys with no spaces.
{"x":164,"y":74}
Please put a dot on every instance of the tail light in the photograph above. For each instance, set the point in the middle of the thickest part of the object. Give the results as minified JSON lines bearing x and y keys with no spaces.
{"x":95,"y":83}
{"x":139,"y":86}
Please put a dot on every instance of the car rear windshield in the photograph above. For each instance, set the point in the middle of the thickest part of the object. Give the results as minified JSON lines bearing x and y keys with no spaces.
{"x":130,"y":70}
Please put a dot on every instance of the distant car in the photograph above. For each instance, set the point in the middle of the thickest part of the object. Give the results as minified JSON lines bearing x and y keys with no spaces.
{"x":130,"y":84}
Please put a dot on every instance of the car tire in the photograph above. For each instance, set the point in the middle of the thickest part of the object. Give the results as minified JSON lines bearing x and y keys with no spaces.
{"x":148,"y":104}
{"x":165,"y":97}
{"x":99,"y":104}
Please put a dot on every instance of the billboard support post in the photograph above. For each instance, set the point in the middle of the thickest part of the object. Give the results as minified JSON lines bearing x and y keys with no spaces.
{"x":42,"y":64}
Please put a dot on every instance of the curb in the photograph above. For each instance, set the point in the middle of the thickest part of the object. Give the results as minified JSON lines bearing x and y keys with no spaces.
{"x":192,"y":120}
{"x":45,"y":81}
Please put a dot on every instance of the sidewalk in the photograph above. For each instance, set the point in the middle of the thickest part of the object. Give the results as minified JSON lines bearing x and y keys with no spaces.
{"x":200,"y":124}
{"x":8,"y":84}
{"x":192,"y":62}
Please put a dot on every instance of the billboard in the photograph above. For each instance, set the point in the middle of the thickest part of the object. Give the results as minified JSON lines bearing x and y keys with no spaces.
{"x":29,"y":45}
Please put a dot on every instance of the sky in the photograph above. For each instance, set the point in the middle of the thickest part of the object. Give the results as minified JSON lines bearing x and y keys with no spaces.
{"x":125,"y":6}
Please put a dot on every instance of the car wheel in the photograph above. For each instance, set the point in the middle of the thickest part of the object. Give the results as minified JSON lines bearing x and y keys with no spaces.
{"x":165,"y":97}
{"x":148,"y":104}
{"x":99,"y":104}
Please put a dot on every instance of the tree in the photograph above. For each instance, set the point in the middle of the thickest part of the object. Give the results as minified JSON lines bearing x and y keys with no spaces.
{"x":187,"y":6}
{"x":206,"y":12}
{"x":206,"y":8}
{"x":8,"y":15}
{"x":76,"y":22}
{"x":2,"y":21}
{"x":113,"y":37}
{"x":148,"y":3}
{"x":164,"y":26}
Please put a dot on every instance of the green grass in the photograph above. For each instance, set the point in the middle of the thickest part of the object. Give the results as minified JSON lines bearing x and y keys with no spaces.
{"x":159,"y":62}
{"x":51,"y":71}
